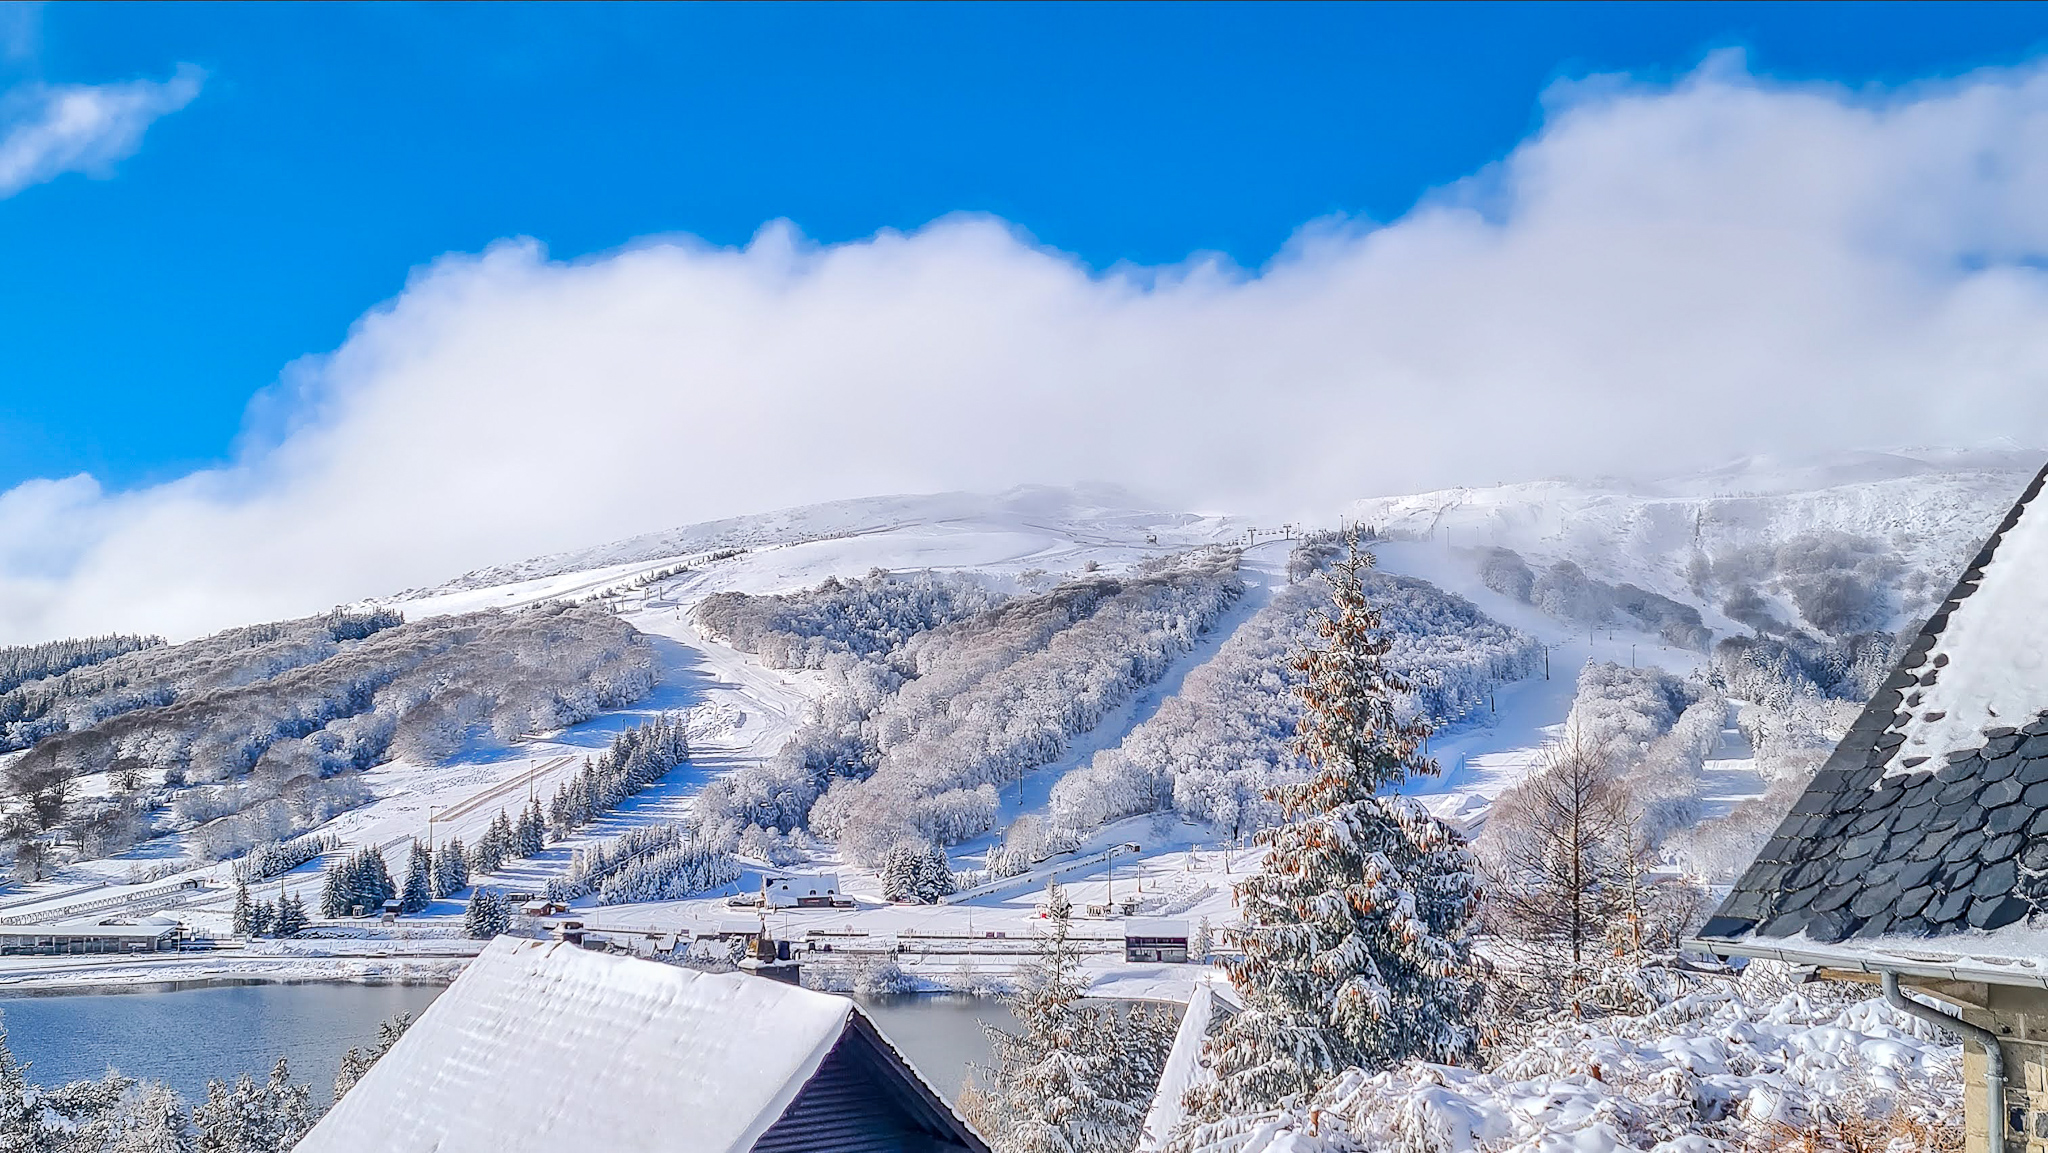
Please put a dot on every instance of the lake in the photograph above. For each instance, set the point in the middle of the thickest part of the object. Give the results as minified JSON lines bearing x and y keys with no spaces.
{"x":186,"y":1035}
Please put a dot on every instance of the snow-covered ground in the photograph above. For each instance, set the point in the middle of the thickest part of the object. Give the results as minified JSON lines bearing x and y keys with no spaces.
{"x":741,"y":711}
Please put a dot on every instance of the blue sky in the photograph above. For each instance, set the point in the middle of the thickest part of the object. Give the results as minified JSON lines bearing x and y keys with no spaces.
{"x":330,"y":150}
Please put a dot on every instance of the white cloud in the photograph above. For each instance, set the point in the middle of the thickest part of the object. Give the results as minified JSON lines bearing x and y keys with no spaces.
{"x":47,"y":130}
{"x":1659,"y":277}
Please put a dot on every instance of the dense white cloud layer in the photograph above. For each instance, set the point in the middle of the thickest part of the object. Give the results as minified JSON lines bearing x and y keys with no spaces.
{"x":47,"y":130}
{"x":1660,"y":276}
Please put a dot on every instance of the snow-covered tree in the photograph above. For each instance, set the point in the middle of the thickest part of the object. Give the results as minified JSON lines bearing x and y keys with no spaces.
{"x":418,"y":892}
{"x":487,"y":915}
{"x":291,"y":916}
{"x":361,"y":880}
{"x":1355,"y":941}
{"x":533,"y":829}
{"x":249,"y":1117}
{"x":1074,"y":1077}
{"x":355,"y":1062}
{"x":243,"y":909}
{"x":918,"y":873}
{"x":451,"y":868}
{"x":262,"y":918}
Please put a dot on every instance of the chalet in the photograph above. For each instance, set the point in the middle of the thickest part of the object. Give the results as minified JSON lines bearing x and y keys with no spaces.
{"x":800,"y":891}
{"x":540,"y":1045}
{"x":1918,"y":857}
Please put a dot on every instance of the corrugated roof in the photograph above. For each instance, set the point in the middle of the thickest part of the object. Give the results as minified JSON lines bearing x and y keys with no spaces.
{"x":1931,"y":818}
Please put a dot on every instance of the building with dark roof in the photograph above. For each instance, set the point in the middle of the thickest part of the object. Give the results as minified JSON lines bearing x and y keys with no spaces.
{"x":543,"y":1046}
{"x":1918,"y":857}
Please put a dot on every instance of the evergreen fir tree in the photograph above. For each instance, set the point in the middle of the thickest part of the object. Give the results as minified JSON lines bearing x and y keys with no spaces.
{"x":451,"y":868}
{"x":21,"y":1107}
{"x":533,"y":830}
{"x":561,"y":820}
{"x":1356,"y":937}
{"x":899,"y":873}
{"x":155,"y":1123}
{"x":419,"y":879}
{"x":1074,"y":1077}
{"x":335,"y":896}
{"x":262,"y":916}
{"x":253,"y":1118}
{"x":291,"y":916}
{"x":486,"y":915}
{"x":934,"y":874}
{"x":353,"y":1066}
{"x":242,"y":910}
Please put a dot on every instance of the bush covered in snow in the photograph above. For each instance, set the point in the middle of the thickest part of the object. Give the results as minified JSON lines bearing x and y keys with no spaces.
{"x":914,"y":745}
{"x":863,"y":618}
{"x":1211,"y":751}
{"x":1564,"y":591}
{"x":1715,"y":1066}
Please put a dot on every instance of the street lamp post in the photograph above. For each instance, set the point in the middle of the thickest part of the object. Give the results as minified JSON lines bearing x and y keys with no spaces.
{"x":1110,"y":857}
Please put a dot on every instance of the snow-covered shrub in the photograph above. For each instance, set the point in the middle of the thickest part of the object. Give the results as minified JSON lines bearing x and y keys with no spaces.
{"x":1624,"y":710}
{"x":1211,"y":751}
{"x":775,"y":846}
{"x":1713,"y":1067}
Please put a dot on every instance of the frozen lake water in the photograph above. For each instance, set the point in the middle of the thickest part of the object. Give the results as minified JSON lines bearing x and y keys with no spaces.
{"x":186,"y":1035}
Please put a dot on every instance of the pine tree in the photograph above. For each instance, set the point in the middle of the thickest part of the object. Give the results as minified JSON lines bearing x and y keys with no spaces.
{"x":21,"y":1105}
{"x":533,"y":830}
{"x":353,"y":1066}
{"x":373,"y":880}
{"x":561,"y":818}
{"x":934,"y":874}
{"x":419,"y":879}
{"x":242,"y":910}
{"x":486,"y":916}
{"x":253,"y":1118}
{"x":451,"y":869}
{"x":336,"y":899}
{"x":262,"y":916}
{"x":1356,"y":946}
{"x":291,"y":916}
{"x":899,"y":873}
{"x":155,"y":1123}
{"x":1073,"y":1078}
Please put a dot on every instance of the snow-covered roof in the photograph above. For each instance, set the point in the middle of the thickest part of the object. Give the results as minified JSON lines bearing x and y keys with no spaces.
{"x":1210,"y":1004}
{"x":545,"y":1046}
{"x":1154,"y":927}
{"x":1931,"y":818}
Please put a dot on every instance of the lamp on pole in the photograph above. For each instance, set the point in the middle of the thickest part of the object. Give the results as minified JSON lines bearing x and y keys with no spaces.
{"x":1110,"y":857}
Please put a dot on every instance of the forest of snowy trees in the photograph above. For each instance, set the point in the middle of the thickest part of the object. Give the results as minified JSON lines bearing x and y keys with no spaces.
{"x":258,"y":733}
{"x":1212,"y":751}
{"x":911,"y":744}
{"x":869,"y":617}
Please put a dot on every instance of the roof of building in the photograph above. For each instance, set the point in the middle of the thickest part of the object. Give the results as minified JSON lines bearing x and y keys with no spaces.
{"x":543,"y":1045}
{"x":1211,"y":1004}
{"x":88,"y":929}
{"x":1154,"y":927}
{"x":1922,"y":844}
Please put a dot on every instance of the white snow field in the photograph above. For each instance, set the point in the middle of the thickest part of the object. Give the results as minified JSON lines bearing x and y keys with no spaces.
{"x":1748,"y":1056}
{"x":1928,"y":506}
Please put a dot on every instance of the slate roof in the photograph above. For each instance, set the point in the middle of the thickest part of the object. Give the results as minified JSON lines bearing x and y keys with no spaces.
{"x":1917,"y":827}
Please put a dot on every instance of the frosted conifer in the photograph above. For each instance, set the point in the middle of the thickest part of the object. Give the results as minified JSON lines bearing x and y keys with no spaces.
{"x":242,"y":909}
{"x":419,"y":879}
{"x":451,"y":868}
{"x":291,"y":916}
{"x":1356,"y":935}
{"x":1074,"y":1077}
